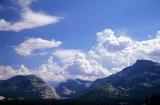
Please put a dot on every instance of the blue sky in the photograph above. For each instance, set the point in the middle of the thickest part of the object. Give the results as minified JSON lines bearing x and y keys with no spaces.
{"x":76,"y":27}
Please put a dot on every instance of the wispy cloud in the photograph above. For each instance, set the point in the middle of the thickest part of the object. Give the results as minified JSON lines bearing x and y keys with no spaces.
{"x":28,"y":18}
{"x":4,"y":8}
{"x":27,"y":47}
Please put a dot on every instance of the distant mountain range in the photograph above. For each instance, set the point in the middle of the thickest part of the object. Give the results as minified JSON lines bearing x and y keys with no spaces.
{"x":72,"y":88}
{"x":132,"y":85}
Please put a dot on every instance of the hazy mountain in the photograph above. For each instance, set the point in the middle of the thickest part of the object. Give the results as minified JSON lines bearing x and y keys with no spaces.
{"x":133,"y":83}
{"x":53,"y":84}
{"x":72,"y":88}
{"x":29,"y":87}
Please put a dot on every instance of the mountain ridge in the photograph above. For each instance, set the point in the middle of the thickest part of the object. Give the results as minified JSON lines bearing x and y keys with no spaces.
{"x":72,"y":88}
{"x":28,"y":87}
{"x":133,"y":83}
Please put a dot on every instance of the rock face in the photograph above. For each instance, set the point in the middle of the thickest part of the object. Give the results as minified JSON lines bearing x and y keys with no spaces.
{"x":133,"y":83}
{"x":72,"y":88}
{"x":29,"y":87}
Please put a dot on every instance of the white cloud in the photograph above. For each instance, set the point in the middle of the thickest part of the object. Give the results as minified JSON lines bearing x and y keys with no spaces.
{"x":51,"y":71}
{"x":111,"y":42}
{"x":29,"y":19}
{"x":66,"y":56}
{"x":7,"y":71}
{"x":24,"y":3}
{"x":115,"y":52}
{"x":4,"y":25}
{"x":158,"y":34}
{"x":78,"y":63}
{"x":109,"y":55}
{"x":28,"y":46}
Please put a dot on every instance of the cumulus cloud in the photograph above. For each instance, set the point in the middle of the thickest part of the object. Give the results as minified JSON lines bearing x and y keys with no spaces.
{"x":29,"y":19}
{"x":113,"y":51}
{"x":110,"y":54}
{"x":7,"y":71}
{"x":66,"y":56}
{"x":111,"y":42}
{"x":50,"y":71}
{"x":28,"y":46}
{"x":79,"y":63}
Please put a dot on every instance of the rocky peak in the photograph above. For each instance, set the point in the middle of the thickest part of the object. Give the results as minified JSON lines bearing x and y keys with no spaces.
{"x":27,"y":87}
{"x":144,"y":62}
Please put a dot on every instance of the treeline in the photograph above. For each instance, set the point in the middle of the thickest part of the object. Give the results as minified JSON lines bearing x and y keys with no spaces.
{"x":149,"y":101}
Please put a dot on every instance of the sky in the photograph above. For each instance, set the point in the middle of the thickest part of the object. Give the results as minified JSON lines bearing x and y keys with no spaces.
{"x":86,"y":39}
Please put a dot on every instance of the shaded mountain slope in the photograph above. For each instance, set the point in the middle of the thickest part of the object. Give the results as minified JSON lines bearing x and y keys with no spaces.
{"x":133,"y":83}
{"x":29,"y":87}
{"x":72,"y":88}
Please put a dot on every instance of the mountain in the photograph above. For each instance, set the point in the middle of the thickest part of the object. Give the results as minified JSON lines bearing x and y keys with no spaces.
{"x":53,"y":84}
{"x":132,"y":84}
{"x":72,"y":88}
{"x":137,"y":84}
{"x":29,"y":87}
